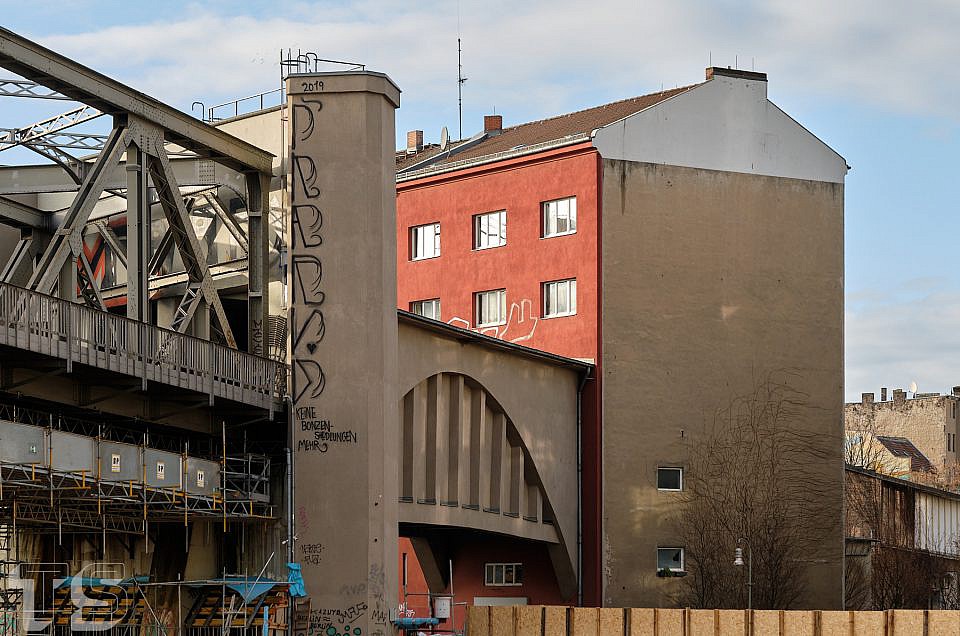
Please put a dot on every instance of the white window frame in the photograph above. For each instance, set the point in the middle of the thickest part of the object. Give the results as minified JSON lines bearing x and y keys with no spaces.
{"x":670,"y":468}
{"x":483,"y":238}
{"x":478,"y":299}
{"x":554,"y":206}
{"x":490,"y":574}
{"x":571,"y":284}
{"x":683,"y":558}
{"x":417,"y":307}
{"x":421,"y":245}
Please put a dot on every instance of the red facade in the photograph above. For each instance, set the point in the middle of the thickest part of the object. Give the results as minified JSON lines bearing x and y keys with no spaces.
{"x":520,"y":186}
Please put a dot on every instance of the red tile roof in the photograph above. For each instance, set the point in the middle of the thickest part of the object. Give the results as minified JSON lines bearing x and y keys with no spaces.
{"x":902,"y":447}
{"x":555,"y":128}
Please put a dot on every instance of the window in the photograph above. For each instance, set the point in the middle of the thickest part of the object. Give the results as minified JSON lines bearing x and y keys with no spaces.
{"x":669,"y":479}
{"x":425,"y":241}
{"x":670,"y":559}
{"x":559,"y":217}
{"x":503,"y":574}
{"x":426,"y":308}
{"x":491,"y":308}
{"x":560,"y":298}
{"x":490,"y":230}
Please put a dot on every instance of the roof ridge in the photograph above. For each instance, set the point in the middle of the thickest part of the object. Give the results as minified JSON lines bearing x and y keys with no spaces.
{"x":677,"y":90}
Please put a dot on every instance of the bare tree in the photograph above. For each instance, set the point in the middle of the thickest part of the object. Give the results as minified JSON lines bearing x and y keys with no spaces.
{"x":901,"y":574}
{"x":749,"y":477}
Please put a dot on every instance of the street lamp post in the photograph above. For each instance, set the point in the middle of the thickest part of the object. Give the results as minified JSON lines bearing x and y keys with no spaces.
{"x":738,"y":561}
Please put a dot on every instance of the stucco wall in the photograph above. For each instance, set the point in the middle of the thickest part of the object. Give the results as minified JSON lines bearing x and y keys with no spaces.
{"x":712,"y":280}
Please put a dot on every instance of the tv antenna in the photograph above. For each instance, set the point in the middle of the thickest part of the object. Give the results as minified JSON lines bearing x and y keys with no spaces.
{"x":460,"y":80}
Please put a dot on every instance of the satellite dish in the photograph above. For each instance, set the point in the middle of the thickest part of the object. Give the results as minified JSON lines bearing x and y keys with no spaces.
{"x":913,"y":388}
{"x":444,"y":138}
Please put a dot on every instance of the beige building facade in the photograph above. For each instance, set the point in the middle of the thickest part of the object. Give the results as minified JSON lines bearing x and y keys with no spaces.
{"x":929,"y":421}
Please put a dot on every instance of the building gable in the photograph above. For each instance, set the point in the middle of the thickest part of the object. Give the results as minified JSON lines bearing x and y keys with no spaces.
{"x":726,"y":123}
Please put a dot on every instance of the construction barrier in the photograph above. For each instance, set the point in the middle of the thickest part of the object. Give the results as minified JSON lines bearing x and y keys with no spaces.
{"x":535,"y":620}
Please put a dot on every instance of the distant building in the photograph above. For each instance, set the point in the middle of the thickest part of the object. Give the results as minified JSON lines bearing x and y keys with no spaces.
{"x":929,"y":421}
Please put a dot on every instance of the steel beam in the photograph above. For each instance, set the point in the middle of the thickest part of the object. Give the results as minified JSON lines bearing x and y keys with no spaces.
{"x":190,"y":172}
{"x":19,"y":215}
{"x":178,"y":219}
{"x":258,"y":279}
{"x":68,"y":239}
{"x":227,"y":219}
{"x":138,"y":234}
{"x":15,"y":136}
{"x":23,"y":88}
{"x":34,"y":62}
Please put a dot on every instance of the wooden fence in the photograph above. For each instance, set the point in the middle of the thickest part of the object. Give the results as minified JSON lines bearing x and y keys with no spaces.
{"x":533,"y":620}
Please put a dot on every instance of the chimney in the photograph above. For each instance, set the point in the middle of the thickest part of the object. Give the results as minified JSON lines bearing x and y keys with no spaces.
{"x":899,"y":396}
{"x":714,"y":71}
{"x":866,"y":398}
{"x":414,"y":141}
{"x":883,"y":394}
{"x":956,"y":390}
{"x":492,"y":125}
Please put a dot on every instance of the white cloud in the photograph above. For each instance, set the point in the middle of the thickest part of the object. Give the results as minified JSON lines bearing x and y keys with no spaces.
{"x":892,"y":342}
{"x":537,"y":58}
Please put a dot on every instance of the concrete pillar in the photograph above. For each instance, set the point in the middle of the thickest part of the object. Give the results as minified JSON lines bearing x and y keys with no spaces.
{"x":343,"y":327}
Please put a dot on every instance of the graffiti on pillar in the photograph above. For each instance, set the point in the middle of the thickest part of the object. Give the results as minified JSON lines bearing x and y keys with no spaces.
{"x":307,"y":221}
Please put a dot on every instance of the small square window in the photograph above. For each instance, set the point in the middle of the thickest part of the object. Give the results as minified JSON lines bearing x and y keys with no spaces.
{"x":669,"y":479}
{"x":560,"y":298}
{"x":670,"y":559}
{"x":490,"y":230}
{"x":425,"y":241}
{"x":491,"y":308}
{"x":426,"y":308}
{"x":559,"y":217}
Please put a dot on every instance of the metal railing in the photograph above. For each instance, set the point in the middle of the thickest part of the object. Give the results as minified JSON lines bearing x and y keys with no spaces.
{"x":79,"y":334}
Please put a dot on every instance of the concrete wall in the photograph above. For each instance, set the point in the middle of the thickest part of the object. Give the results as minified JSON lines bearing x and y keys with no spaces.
{"x":924,"y":421}
{"x":711,"y":282}
{"x":562,"y":621}
{"x":540,"y":398}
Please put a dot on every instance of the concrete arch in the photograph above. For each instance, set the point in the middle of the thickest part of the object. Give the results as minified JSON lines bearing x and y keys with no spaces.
{"x":488,"y":442}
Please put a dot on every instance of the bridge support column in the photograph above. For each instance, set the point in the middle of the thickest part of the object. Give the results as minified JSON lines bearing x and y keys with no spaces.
{"x":343,"y":326}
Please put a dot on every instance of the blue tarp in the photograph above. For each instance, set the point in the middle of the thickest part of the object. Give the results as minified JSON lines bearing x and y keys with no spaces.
{"x":295,"y":578}
{"x":92,"y":581}
{"x":248,"y":588}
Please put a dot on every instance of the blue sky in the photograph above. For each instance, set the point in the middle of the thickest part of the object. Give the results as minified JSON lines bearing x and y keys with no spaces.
{"x":875,"y":80}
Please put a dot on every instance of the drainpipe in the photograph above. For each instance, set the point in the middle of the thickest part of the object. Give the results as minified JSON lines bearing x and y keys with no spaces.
{"x":583,"y":382}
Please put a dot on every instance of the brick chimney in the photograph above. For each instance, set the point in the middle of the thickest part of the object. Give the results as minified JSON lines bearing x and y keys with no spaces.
{"x":414,"y":141}
{"x":883,"y":394}
{"x":899,"y":396}
{"x":492,"y":124}
{"x":956,"y":390}
{"x":866,"y":398}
